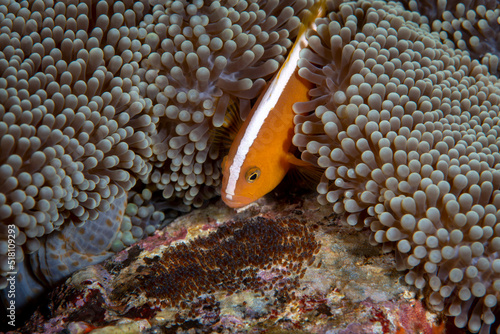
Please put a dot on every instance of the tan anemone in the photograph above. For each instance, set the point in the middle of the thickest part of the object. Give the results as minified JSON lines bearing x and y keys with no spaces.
{"x":471,"y":25}
{"x":407,"y":128}
{"x":74,"y":131}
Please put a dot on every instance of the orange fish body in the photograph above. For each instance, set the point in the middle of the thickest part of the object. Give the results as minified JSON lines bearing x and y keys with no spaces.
{"x":268,"y":158}
{"x":260,"y":155}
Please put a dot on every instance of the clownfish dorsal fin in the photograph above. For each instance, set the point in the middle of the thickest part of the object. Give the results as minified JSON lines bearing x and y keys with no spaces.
{"x":290,"y":64}
{"x":294,"y":161}
{"x":317,"y":10}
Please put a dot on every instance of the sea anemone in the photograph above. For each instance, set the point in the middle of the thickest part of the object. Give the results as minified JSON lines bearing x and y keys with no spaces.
{"x":407,"y":130}
{"x":471,"y":25}
{"x":74,"y":131}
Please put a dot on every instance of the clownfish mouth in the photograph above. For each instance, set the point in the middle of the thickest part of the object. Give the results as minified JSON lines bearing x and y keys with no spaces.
{"x":235,"y":201}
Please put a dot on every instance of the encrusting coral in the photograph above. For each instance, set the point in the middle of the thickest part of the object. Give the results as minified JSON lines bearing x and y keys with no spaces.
{"x":407,"y":129}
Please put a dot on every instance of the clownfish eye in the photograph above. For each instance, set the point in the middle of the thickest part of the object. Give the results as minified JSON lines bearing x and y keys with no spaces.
{"x":252,"y":174}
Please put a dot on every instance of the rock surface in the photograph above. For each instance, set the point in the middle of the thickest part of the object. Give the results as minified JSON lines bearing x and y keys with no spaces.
{"x":277,"y":267}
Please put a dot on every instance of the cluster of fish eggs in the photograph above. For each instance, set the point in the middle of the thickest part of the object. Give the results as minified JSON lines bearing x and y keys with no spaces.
{"x":258,"y":254}
{"x":407,"y":130}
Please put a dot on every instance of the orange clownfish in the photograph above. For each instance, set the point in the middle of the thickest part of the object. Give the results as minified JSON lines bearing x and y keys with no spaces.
{"x":262,"y":152}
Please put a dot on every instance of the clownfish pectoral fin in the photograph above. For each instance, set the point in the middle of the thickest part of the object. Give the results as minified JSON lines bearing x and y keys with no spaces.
{"x":225,"y":134}
{"x":303,"y":171}
{"x":294,"y":161}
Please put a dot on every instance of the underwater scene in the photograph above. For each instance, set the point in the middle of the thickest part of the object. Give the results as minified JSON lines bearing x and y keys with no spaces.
{"x":258,"y":166}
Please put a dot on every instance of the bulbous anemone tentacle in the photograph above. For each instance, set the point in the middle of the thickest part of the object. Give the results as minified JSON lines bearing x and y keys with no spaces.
{"x":74,"y":132}
{"x":469,"y":25}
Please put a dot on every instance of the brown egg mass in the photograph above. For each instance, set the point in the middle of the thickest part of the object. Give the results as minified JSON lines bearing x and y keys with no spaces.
{"x":259,"y":254}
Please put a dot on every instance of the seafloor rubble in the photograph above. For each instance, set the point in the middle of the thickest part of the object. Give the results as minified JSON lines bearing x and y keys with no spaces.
{"x":280,"y":266}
